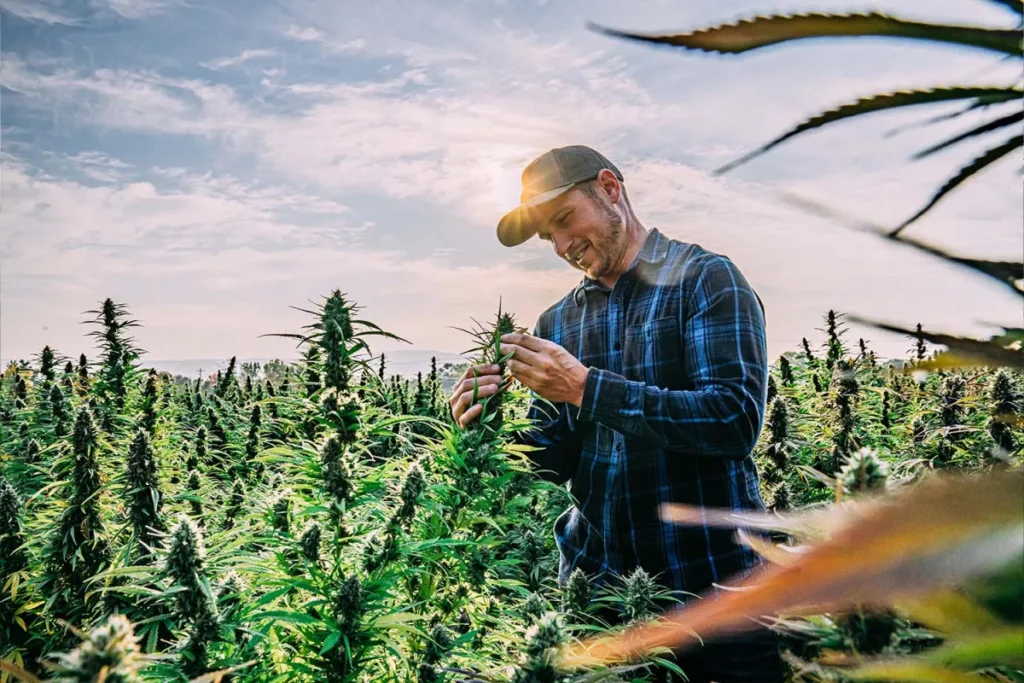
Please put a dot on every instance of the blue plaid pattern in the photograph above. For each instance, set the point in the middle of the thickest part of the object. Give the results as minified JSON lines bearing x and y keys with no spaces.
{"x":673,"y":405}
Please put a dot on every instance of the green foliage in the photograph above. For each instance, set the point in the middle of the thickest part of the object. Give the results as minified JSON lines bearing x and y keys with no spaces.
{"x":323,"y":537}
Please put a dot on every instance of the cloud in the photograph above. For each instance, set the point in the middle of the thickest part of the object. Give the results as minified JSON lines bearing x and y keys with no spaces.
{"x":241,"y":58}
{"x":98,"y":166}
{"x":305,"y":33}
{"x":135,"y":9}
{"x":217,"y":242}
{"x":380,"y":165}
{"x":309,"y":34}
{"x":37,"y":10}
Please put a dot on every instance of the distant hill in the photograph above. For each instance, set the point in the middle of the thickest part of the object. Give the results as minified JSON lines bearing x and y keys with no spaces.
{"x":404,"y":362}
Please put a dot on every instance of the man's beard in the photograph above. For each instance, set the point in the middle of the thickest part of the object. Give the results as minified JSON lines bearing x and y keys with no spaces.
{"x":609,"y":245}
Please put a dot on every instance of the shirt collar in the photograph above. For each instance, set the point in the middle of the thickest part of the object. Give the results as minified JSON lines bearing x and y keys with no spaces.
{"x":654,"y":250}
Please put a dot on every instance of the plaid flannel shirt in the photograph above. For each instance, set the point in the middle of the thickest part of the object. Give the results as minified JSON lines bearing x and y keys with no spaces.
{"x":673,"y":405}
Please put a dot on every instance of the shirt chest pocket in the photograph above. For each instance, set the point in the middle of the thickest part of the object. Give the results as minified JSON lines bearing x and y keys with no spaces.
{"x":653,"y":353}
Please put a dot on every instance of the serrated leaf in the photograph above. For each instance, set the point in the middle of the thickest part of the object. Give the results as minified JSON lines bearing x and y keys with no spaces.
{"x":980,"y":163}
{"x":987,"y":127}
{"x":963,"y":351}
{"x":330,"y":642}
{"x":877,"y":103}
{"x":758,"y":32}
{"x":1009,"y":273}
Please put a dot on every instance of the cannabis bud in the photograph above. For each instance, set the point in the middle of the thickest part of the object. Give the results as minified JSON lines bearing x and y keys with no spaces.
{"x":110,"y":653}
{"x":310,"y":542}
{"x":279,"y":506}
{"x":336,"y":470}
{"x":576,"y":595}
{"x":864,"y":471}
{"x":413,"y":486}
{"x":348,"y":605}
{"x":535,"y":606}
{"x":639,"y":592}
{"x":542,"y":640}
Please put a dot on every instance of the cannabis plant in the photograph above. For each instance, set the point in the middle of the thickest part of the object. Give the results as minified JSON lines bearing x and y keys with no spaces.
{"x":439,"y":644}
{"x":488,"y":351}
{"x":78,"y":546}
{"x":251,"y":466}
{"x":309,"y":541}
{"x":118,"y":357}
{"x":577,"y":594}
{"x":59,"y":410}
{"x":864,"y":471}
{"x":538,"y":663}
{"x":143,"y":492}
{"x":150,"y":398}
{"x":194,"y":604}
{"x":786,"y":371}
{"x":1005,"y":407}
{"x":336,"y":472}
{"x":110,"y":653}
{"x":194,"y":482}
{"x":777,"y":421}
{"x":639,"y":590}
{"x":12,"y":554}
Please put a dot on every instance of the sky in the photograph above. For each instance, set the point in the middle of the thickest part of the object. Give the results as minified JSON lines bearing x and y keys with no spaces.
{"x":214,"y":165}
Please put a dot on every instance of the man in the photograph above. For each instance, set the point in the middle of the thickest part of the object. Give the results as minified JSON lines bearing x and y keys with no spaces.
{"x":657,"y":365}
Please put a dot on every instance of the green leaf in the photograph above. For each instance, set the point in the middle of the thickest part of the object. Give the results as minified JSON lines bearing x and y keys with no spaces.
{"x":331,"y":641}
{"x":992,"y":649}
{"x":1009,"y":273}
{"x":963,"y":351}
{"x":987,"y":159}
{"x":910,"y":671}
{"x":751,"y":34}
{"x":987,"y":127}
{"x":1013,"y":5}
{"x":288,"y":616}
{"x":876,"y":103}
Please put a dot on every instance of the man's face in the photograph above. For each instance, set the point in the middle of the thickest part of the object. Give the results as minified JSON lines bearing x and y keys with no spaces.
{"x":585,"y":230}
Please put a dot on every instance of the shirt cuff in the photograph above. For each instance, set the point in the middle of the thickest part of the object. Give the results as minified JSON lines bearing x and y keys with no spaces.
{"x":605,"y":397}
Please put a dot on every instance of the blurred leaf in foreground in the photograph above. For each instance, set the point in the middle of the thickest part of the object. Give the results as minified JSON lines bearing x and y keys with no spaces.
{"x":873,"y":552}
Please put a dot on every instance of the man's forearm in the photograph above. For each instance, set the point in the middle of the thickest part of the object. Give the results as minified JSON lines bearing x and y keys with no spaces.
{"x":722,"y":420}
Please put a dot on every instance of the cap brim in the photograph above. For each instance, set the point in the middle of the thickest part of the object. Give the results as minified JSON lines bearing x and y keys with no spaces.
{"x":515,"y":227}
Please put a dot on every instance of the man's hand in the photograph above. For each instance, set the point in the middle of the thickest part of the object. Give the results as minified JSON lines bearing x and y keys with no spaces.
{"x":488,"y":382}
{"x":545,"y":367}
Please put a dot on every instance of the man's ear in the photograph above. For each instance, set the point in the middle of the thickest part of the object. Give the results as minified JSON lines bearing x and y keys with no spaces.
{"x":610,"y":184}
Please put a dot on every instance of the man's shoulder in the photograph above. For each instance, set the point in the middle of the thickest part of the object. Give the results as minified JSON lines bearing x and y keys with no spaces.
{"x":691,"y":261}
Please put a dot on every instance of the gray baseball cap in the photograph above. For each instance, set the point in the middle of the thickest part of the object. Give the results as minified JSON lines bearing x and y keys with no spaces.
{"x":548,"y":176}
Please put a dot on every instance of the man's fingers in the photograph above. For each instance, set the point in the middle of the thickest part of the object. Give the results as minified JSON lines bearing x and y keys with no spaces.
{"x":466,"y":385}
{"x":527,"y":341}
{"x":479,"y":370}
{"x":470,"y":415}
{"x":462,"y":402}
{"x":483,"y":392}
{"x":521,"y":371}
{"x":522,"y":354}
